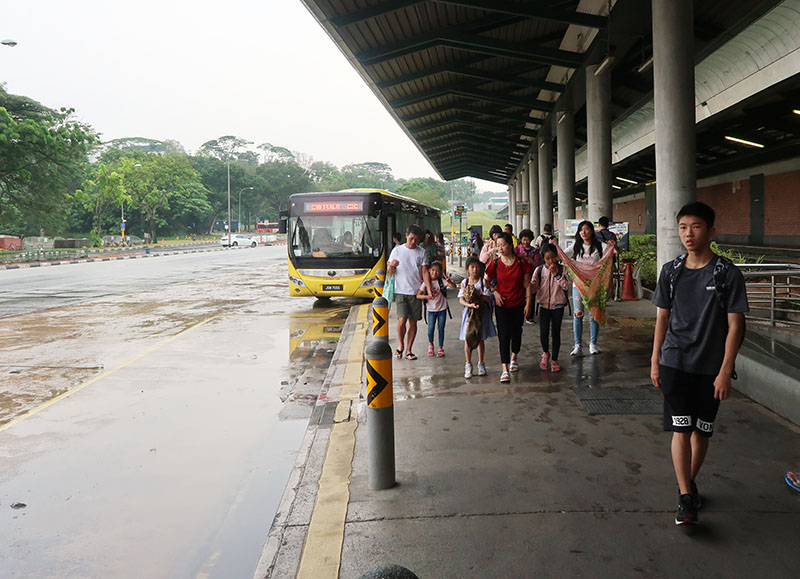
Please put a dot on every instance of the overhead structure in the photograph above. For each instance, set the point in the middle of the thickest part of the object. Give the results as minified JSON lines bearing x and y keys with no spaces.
{"x":473,"y":82}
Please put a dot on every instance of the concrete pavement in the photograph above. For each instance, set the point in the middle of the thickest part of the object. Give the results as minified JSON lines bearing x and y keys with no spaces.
{"x":519,"y":480}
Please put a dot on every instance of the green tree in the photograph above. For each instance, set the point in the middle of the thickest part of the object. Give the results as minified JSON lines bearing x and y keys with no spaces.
{"x":428,"y":191}
{"x":41,"y":157}
{"x":368,"y":175}
{"x":102,"y":188}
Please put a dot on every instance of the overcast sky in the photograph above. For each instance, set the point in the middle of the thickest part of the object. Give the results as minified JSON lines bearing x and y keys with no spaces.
{"x":263,"y":70}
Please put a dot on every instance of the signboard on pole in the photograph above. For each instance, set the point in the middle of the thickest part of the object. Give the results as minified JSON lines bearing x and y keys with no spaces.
{"x":523,"y":208}
{"x":618,"y":228}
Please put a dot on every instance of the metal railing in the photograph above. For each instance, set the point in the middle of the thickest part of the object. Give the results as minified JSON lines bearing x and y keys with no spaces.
{"x":773,"y":292}
{"x":29,"y":255}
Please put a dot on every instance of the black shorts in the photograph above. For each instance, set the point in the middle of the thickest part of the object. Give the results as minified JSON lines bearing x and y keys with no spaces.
{"x":689,"y":403}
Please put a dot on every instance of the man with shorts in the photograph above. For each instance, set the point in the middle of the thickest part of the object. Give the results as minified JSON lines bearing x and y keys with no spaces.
{"x":408,"y":265}
{"x":701,"y":301}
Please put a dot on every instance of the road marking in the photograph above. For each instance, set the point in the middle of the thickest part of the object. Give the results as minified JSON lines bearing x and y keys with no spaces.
{"x":71,"y":391}
{"x":322,"y":552}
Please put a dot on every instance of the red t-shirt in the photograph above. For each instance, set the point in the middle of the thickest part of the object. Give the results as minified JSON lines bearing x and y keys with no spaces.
{"x":510,"y":280}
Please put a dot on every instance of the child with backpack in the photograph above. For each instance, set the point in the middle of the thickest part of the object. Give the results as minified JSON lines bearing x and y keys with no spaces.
{"x":476,"y":320}
{"x":437,"y":304}
{"x":701,"y":299}
{"x":551,"y":284}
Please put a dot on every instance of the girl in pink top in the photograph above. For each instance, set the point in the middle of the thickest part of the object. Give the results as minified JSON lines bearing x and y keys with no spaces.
{"x":551,"y":283}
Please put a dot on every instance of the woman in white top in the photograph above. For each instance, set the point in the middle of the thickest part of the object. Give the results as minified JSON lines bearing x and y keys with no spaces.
{"x":586,"y":249}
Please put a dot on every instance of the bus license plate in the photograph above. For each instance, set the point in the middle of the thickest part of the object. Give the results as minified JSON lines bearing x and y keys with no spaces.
{"x":332,"y":287}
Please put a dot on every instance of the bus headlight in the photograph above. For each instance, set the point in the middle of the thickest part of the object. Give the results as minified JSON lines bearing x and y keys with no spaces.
{"x":296,"y":281}
{"x":369,"y":282}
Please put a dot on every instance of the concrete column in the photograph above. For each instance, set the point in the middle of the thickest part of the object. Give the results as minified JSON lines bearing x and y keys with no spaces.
{"x":545,"y":178}
{"x":533,"y":193}
{"x":517,"y":223}
{"x":565,"y":152}
{"x":512,"y":202}
{"x":526,"y":196}
{"x":598,"y":148}
{"x":673,"y":84}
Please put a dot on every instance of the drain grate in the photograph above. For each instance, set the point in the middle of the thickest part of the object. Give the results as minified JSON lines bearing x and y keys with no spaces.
{"x":620,"y":400}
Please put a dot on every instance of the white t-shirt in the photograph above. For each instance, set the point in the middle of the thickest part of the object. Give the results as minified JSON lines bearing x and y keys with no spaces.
{"x":593,"y":257}
{"x":408,"y":274}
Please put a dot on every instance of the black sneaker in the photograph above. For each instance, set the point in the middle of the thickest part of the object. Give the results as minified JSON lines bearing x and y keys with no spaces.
{"x":696,"y":500}
{"x":686,"y":514}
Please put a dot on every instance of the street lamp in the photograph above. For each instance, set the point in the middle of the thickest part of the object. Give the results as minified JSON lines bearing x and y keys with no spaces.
{"x":240,"y":206}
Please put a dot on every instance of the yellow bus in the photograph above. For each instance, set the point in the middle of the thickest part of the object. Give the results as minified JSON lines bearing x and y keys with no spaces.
{"x":338,"y":241}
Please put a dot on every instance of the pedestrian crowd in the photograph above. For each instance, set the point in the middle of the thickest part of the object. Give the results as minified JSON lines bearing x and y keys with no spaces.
{"x":700,"y":299}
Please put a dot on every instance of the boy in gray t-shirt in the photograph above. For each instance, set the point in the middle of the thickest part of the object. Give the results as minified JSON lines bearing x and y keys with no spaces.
{"x":701,"y":301}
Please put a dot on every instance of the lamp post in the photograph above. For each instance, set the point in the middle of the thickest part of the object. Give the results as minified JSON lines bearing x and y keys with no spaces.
{"x":240,"y":206}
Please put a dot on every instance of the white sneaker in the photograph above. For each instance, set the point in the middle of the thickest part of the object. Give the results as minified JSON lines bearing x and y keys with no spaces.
{"x":467,"y":370}
{"x":481,"y":369}
{"x":593,"y":349}
{"x":576,"y":351}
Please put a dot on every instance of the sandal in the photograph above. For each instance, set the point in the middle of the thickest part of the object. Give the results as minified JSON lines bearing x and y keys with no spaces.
{"x":411,"y":356}
{"x":398,"y":353}
{"x":430,"y":349}
{"x":792,"y":483}
{"x":505,"y":378}
{"x":440,"y":352}
{"x":513,"y":366}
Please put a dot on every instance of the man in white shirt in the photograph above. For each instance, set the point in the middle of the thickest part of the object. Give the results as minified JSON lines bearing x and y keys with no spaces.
{"x":409,"y":267}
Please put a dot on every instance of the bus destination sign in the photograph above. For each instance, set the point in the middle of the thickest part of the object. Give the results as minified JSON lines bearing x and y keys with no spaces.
{"x":333,"y":206}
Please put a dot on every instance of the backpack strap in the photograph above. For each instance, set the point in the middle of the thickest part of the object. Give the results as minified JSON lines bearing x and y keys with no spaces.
{"x":674,"y":270}
{"x":721,"y":288}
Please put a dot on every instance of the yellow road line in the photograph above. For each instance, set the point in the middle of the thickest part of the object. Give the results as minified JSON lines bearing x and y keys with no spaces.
{"x":322,"y":552}
{"x":71,"y":391}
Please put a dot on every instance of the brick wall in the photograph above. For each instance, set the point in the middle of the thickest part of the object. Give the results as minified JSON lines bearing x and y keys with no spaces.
{"x":731,"y":203}
{"x":781,"y":195}
{"x":633,"y":212}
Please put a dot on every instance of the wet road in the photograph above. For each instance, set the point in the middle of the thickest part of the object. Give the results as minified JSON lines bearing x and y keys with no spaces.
{"x":151,"y":434}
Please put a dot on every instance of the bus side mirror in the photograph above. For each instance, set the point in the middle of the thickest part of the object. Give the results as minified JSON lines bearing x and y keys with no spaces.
{"x":282,"y":224}
{"x":382,"y":223}
{"x":283,"y":214}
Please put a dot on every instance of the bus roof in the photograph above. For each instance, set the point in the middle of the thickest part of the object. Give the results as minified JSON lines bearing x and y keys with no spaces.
{"x":358,"y":191}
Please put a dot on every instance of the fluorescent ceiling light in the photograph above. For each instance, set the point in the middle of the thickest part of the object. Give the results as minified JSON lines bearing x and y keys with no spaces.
{"x":645,"y":65}
{"x":743,"y":142}
{"x":796,"y":111}
{"x":616,"y":187}
{"x":607,"y":62}
{"x":627,"y":180}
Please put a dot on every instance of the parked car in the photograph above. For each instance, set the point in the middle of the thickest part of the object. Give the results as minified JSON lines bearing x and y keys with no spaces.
{"x":238,"y":239}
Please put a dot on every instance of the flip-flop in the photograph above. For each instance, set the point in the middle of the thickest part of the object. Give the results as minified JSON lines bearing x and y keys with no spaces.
{"x":398,"y":353}
{"x":791,"y":483}
{"x":411,"y":356}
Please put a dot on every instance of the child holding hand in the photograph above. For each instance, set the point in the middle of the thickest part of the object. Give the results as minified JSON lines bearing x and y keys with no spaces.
{"x":551,"y":284}
{"x":437,"y":304}
{"x":476,"y":320}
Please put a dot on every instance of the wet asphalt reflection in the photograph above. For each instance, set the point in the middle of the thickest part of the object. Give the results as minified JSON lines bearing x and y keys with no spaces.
{"x":188,"y":401}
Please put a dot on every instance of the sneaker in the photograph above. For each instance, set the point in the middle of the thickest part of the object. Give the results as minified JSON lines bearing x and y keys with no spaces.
{"x":576,"y":351}
{"x":513,"y":366}
{"x":555,"y":366}
{"x":687,"y":513}
{"x":440,"y":352}
{"x":593,"y":349}
{"x":696,"y":500}
{"x":467,"y":370}
{"x":544,"y":361}
{"x":481,"y":369}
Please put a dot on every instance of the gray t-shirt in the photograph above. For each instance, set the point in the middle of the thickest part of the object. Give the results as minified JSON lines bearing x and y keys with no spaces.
{"x":698,"y":326}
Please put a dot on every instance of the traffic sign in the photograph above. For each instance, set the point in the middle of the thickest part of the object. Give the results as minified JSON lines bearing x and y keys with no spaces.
{"x":122,"y":226}
{"x":457,"y":213}
{"x":459,"y":208}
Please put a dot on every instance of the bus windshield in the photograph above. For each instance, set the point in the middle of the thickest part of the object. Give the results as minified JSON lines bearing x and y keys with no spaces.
{"x":318,"y":236}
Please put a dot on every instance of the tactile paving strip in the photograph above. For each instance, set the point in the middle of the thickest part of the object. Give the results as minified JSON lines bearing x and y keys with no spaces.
{"x":620,"y":400}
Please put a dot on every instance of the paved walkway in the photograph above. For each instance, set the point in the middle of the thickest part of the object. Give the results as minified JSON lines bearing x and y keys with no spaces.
{"x":519,"y":480}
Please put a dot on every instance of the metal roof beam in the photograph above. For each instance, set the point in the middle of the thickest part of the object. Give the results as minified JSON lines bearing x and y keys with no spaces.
{"x":531,"y":10}
{"x":473,"y":94}
{"x":473,"y":123}
{"x":373,"y":12}
{"x":529,"y":52}
{"x":481,"y":137}
{"x":432,"y":39}
{"x":523,"y":116}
